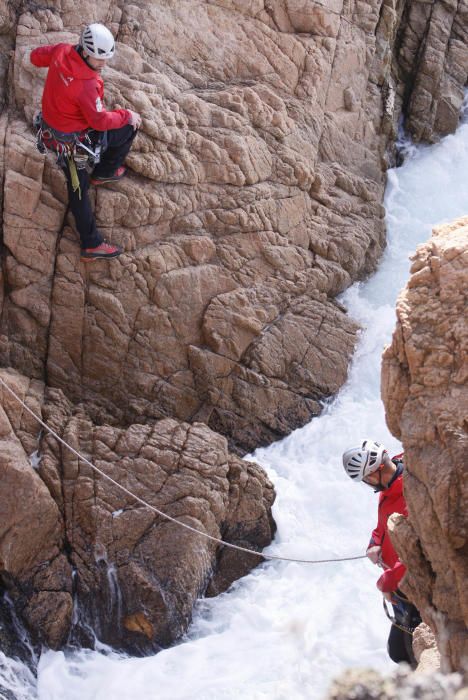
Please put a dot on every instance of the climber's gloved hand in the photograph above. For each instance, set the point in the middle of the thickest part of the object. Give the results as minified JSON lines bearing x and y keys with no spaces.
{"x":375,"y":554}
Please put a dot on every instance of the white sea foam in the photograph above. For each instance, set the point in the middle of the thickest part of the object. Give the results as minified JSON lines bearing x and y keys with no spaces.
{"x":35,"y":459}
{"x":17,"y":679}
{"x":286,"y":630}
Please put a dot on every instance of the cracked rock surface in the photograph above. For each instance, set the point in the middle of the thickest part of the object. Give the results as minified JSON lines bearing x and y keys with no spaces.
{"x":253,"y":198}
{"x":226,"y":248}
{"x":73,"y":541}
{"x":424,"y":380}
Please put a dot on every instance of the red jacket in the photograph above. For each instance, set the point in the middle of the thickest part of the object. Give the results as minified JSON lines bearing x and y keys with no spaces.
{"x":391,"y":501}
{"x":73,"y":92}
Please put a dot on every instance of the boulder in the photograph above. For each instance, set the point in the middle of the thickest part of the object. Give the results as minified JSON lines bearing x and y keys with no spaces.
{"x":78,"y":553}
{"x":425,"y":649}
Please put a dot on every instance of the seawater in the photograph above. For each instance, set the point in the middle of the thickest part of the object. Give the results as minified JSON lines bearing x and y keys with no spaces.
{"x":285,"y":630}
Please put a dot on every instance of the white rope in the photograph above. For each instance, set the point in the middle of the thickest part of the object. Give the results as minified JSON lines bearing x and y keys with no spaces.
{"x":165,"y":515}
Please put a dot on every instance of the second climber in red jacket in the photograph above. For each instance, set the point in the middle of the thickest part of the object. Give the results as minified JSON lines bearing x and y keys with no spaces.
{"x":370,"y":463}
{"x":72,"y":103}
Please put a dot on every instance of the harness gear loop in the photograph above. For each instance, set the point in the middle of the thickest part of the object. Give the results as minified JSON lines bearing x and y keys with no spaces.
{"x":74,"y":150}
{"x":78,"y":145}
{"x":37,"y":123}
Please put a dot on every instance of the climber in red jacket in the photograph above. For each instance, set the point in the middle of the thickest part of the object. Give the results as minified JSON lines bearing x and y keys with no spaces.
{"x":371,"y":464}
{"x":74,"y":120}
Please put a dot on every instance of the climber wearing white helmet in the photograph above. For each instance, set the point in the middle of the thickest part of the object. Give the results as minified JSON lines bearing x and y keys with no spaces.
{"x":75,"y":124}
{"x":370,"y":463}
{"x":97,"y":41}
{"x":368,"y":458}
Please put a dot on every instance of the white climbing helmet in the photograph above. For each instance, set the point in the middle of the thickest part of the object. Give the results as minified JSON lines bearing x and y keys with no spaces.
{"x":361,"y":461}
{"x":97,"y":41}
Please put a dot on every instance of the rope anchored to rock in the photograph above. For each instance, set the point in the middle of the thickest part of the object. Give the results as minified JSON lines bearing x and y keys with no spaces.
{"x":161,"y":513}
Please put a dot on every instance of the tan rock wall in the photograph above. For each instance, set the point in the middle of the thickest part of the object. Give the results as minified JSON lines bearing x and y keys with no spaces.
{"x":219,"y":205}
{"x":424,"y":388}
{"x":254,"y":197}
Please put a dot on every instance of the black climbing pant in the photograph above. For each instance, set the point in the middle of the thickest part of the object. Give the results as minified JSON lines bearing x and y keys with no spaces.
{"x":399,"y":646}
{"x":81,"y":209}
{"x":119,"y":142}
{"x":400,"y":642}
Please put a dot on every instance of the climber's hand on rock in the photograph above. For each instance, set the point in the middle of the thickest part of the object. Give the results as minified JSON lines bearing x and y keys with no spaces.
{"x":135,"y":119}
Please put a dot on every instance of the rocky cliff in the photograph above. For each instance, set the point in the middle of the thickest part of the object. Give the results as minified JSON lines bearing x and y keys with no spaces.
{"x":253,"y":198}
{"x":424,"y":388}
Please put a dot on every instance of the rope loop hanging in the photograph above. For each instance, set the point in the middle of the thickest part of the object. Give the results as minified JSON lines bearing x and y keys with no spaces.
{"x":137,"y":498}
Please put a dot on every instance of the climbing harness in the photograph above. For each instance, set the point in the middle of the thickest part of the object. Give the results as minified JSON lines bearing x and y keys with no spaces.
{"x":74,"y":150}
{"x":161,"y":513}
{"x":400,"y":625}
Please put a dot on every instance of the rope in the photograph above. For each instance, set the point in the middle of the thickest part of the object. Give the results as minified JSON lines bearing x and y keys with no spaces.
{"x":165,"y":515}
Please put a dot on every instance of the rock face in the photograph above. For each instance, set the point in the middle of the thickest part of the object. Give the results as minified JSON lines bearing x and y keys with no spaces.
{"x":424,"y":388}
{"x":72,"y":541}
{"x":436,"y":32}
{"x":33,"y":567}
{"x":253,"y":199}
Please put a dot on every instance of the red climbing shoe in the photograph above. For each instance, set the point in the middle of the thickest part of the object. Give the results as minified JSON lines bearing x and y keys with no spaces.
{"x":102,"y":179}
{"x":103,"y":250}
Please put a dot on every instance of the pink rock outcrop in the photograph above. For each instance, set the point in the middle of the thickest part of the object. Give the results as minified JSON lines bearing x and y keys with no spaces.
{"x":437,"y":33}
{"x":424,"y":388}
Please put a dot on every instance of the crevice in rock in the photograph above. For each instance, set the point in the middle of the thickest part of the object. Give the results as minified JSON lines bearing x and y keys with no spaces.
{"x":409,"y":77}
{"x":51,"y":294}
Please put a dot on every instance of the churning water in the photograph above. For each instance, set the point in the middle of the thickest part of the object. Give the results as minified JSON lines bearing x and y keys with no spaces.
{"x":286,"y":630}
